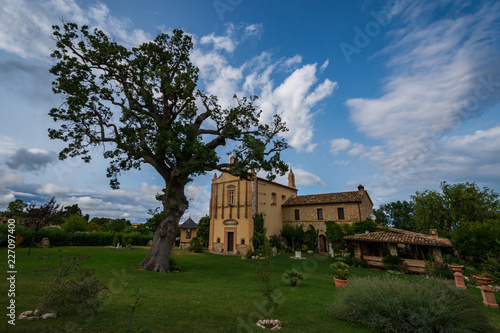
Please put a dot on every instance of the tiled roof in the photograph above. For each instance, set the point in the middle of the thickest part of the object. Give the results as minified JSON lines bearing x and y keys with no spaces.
{"x":326,"y":198}
{"x":400,"y":236}
{"x":189,"y":224}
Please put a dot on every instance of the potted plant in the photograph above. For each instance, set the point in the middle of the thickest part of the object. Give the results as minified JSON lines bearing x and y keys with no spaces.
{"x":341,"y":272}
{"x":455,"y":267}
{"x":483,"y":278}
{"x":293,"y":275}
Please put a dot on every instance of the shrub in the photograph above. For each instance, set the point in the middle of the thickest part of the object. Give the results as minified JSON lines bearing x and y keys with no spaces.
{"x":355,"y":262}
{"x":195,"y":245}
{"x":293,"y":275}
{"x":393,"y":304}
{"x":69,"y":284}
{"x":249,"y":253}
{"x":394,"y":263}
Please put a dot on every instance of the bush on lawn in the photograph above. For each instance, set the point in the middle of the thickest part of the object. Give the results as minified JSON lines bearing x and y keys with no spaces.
{"x":393,"y":304}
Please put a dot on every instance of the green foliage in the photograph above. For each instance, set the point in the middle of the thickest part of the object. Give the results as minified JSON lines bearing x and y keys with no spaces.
{"x":264,"y":271}
{"x":204,"y":230}
{"x":67,"y":283}
{"x":141,"y":105}
{"x":133,"y":327}
{"x":117,"y":225}
{"x":394,"y":263}
{"x":341,"y":268}
{"x":392,"y":260}
{"x":311,"y":239}
{"x":361,"y":226}
{"x":39,"y":217}
{"x":397,"y":215}
{"x":293,"y":275}
{"x":60,"y":237}
{"x":249,"y":253}
{"x":491,"y":265}
{"x":259,"y":232}
{"x":355,"y":262}
{"x":334,"y":232}
{"x":75,"y":223}
{"x":67,"y":211}
{"x":195,"y":245}
{"x":478,"y":239}
{"x":392,"y":304}
{"x":454,"y":206}
{"x":118,"y":239}
{"x":16,"y":208}
{"x":274,"y":241}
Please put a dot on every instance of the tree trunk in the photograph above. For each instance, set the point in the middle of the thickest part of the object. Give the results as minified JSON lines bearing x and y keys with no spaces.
{"x":174,"y":205}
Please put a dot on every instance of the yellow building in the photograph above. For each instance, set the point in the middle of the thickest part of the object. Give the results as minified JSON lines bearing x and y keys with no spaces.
{"x":235,"y":201}
{"x":188,"y":231}
{"x":233,"y":205}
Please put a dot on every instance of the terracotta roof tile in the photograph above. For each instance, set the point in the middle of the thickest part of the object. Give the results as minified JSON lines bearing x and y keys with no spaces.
{"x":400,"y":236}
{"x":326,"y":198}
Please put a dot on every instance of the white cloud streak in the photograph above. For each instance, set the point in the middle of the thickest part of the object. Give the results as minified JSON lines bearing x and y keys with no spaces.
{"x":443,"y":73}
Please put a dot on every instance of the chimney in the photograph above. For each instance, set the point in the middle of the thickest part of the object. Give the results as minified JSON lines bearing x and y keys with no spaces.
{"x":361,"y":189}
{"x":433,"y":233}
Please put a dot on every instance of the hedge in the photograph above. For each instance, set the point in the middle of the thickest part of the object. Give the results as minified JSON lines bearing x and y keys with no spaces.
{"x":60,"y":237}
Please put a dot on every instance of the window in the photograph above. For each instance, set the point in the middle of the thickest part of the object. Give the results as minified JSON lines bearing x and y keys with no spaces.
{"x":218,"y":239}
{"x":283,"y":198}
{"x":320,"y":213}
{"x":297,"y":215}
{"x":243,"y":241}
{"x":188,"y":233}
{"x":273,"y":199}
{"x":231,"y":189}
{"x":340,"y":213}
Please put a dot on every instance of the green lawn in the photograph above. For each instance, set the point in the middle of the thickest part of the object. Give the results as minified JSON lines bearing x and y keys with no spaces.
{"x":213,"y":293}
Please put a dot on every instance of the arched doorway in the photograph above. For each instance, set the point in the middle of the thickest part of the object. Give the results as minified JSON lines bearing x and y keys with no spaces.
{"x":322,"y":243}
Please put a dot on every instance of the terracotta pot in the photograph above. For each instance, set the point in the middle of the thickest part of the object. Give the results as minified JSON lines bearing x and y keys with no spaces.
{"x":340,"y":283}
{"x":482,"y":280}
{"x":458,"y":268}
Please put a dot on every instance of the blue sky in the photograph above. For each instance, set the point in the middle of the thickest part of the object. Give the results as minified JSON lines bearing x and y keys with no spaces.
{"x":395,"y":95}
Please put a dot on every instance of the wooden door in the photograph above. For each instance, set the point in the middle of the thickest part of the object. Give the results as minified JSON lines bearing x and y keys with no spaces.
{"x":230,"y":241}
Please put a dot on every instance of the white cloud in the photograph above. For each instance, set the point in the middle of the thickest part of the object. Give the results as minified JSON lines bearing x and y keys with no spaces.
{"x":443,"y":73}
{"x":219,"y":42}
{"x":26,"y":25}
{"x":294,"y":99}
{"x":7,"y":145}
{"x":338,"y":145}
{"x":53,"y":190}
{"x":303,"y":177}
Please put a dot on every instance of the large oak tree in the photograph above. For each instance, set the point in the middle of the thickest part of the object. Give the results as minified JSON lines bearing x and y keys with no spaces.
{"x":142,"y":105}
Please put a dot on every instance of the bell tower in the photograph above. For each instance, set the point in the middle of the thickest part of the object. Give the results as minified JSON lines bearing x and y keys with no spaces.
{"x":291,"y":179}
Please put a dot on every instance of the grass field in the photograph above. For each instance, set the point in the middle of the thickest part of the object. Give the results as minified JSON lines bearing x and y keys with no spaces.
{"x":213,"y":293}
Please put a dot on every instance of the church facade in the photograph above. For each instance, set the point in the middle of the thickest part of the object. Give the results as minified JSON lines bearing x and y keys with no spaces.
{"x":234,"y":203}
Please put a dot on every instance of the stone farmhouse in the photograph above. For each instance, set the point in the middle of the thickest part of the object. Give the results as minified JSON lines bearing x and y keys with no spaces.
{"x":235,"y":201}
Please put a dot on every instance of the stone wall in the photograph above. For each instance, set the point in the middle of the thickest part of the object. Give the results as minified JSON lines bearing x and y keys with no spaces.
{"x":241,"y":249}
{"x":218,"y":247}
{"x":183,"y":246}
{"x":309,"y":213}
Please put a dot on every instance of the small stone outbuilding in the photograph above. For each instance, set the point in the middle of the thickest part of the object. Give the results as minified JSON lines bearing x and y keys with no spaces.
{"x":413,"y":247}
{"x":188,"y":231}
